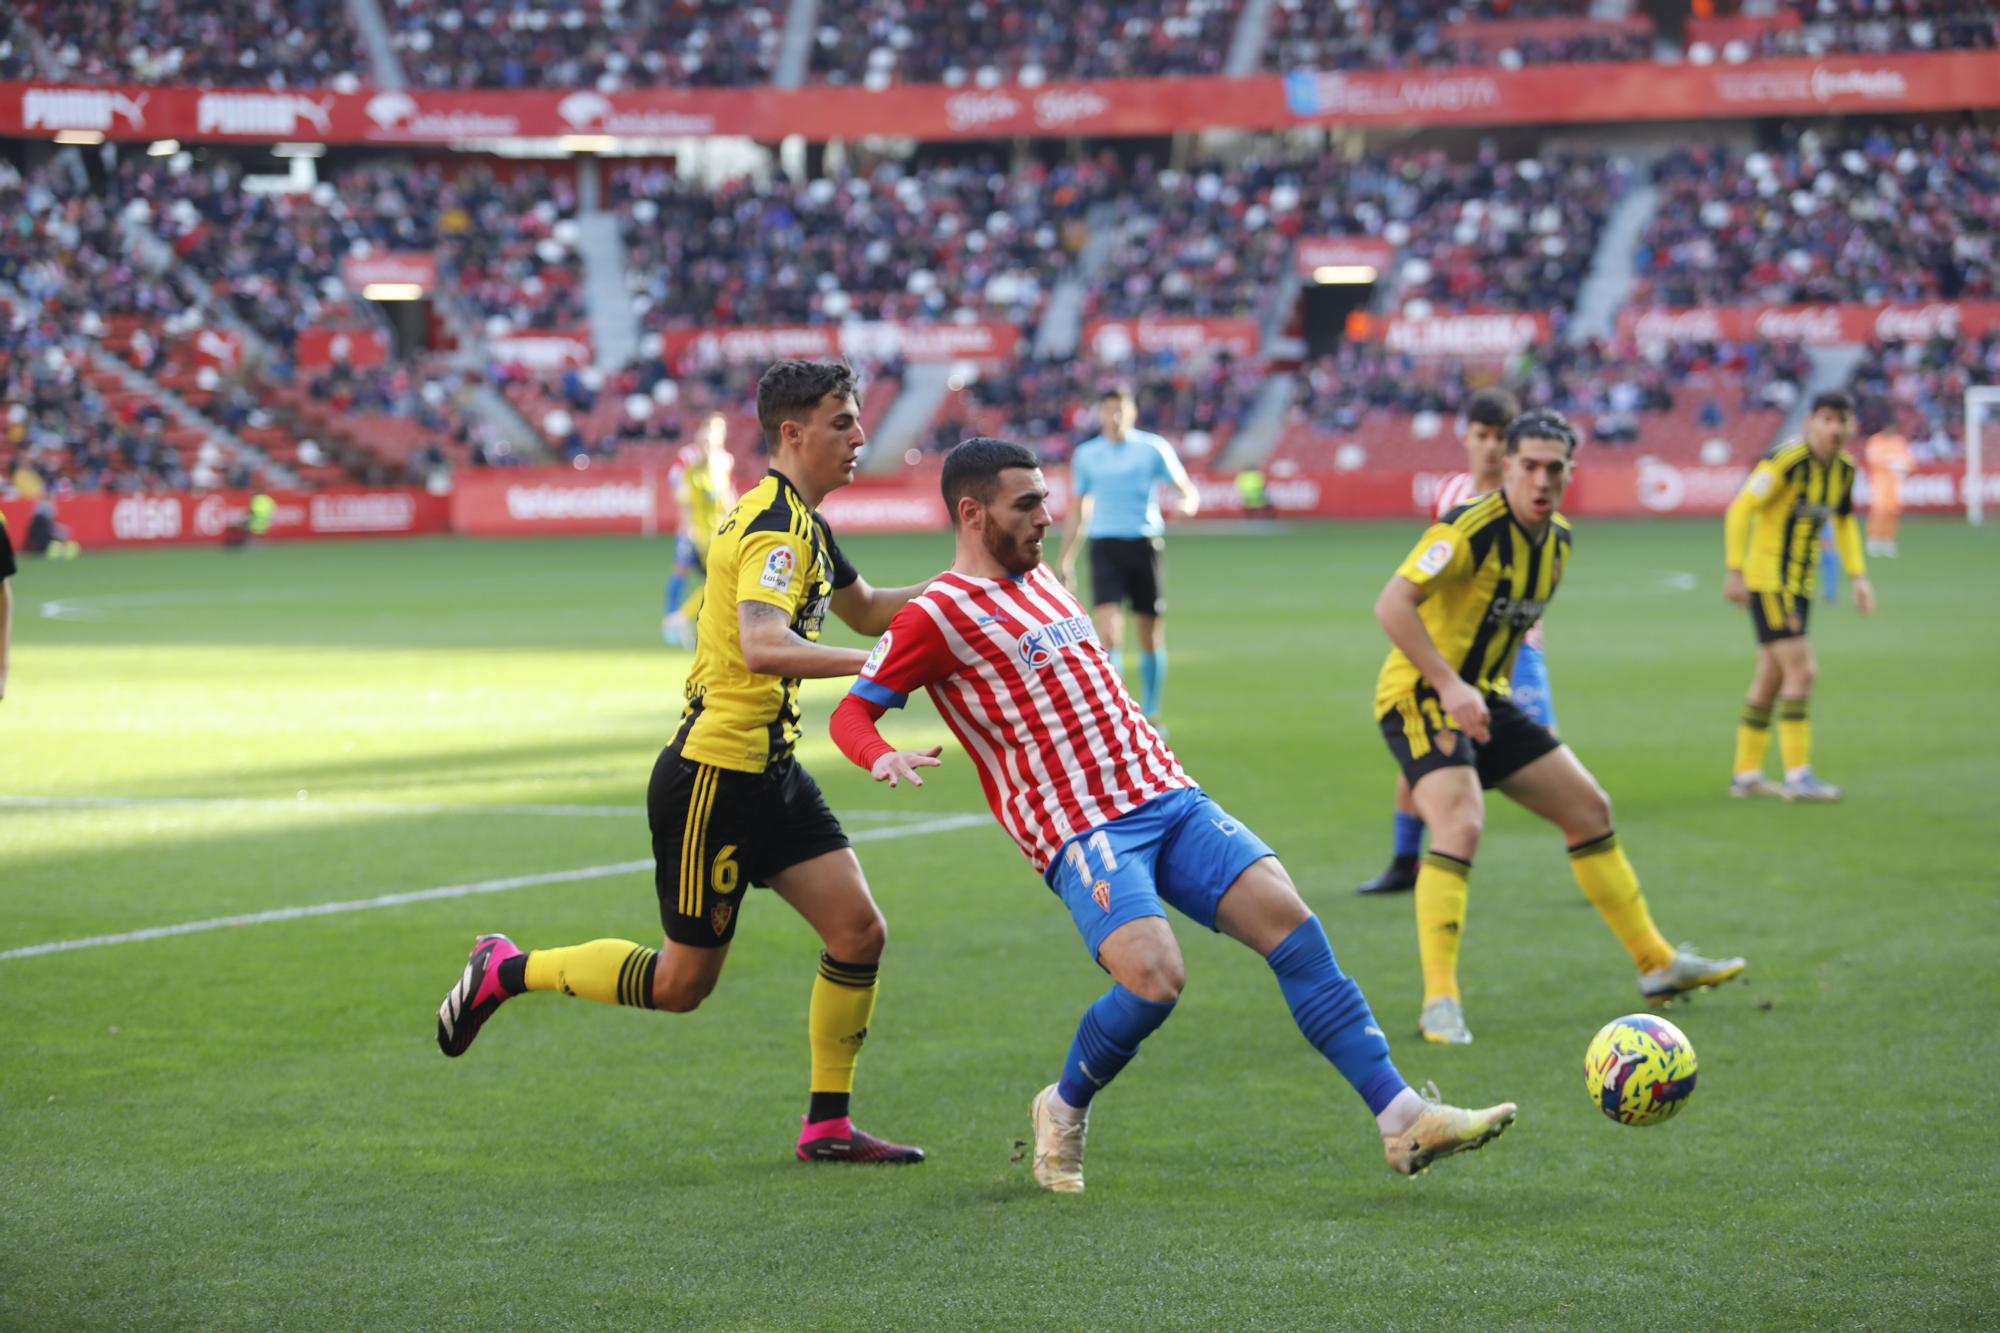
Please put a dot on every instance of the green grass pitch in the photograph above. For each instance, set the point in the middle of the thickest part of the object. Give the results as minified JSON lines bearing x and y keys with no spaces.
{"x":252,"y":1127}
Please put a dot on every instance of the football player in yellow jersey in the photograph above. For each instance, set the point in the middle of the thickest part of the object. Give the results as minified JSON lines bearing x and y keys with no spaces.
{"x":1456,"y":612}
{"x":728,"y":804}
{"x":1771,"y":541}
{"x":704,"y":491}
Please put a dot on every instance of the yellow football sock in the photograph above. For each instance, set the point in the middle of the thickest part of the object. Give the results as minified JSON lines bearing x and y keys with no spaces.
{"x":1612,"y":886}
{"x":1753,"y":737}
{"x":608,"y":971}
{"x":843,"y":1000}
{"x":1441,"y":882}
{"x":1794,"y":734}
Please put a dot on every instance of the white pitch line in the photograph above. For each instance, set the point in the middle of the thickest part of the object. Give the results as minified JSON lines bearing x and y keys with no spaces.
{"x":365,"y":807}
{"x":942,"y":824}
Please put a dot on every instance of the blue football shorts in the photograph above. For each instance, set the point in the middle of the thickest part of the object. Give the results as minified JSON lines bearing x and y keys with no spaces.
{"x":1179,"y":848}
{"x":1530,"y":687}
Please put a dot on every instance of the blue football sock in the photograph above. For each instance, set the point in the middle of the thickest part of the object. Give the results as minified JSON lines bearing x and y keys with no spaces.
{"x":1409,"y":834}
{"x":1333,"y":1014}
{"x":1118,"y":660}
{"x":1152,"y":675}
{"x":1106,"y":1040}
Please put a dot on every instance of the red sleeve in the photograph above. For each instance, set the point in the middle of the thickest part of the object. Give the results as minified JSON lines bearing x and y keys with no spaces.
{"x":910,"y":655}
{"x":853,"y":731}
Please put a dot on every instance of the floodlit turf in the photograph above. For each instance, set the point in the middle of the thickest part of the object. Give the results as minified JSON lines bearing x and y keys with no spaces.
{"x":252,"y":1126}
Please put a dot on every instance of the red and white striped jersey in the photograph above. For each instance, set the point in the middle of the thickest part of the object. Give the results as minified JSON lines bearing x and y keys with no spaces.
{"x":1016,"y":671}
{"x":1454,"y":491}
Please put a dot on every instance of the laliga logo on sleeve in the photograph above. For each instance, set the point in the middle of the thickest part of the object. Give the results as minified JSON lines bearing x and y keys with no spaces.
{"x":881,"y":651}
{"x":777,"y":575}
{"x":1435,"y":557}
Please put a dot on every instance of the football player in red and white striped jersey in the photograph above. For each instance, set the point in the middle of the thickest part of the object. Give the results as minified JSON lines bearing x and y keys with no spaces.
{"x":1103,"y":810}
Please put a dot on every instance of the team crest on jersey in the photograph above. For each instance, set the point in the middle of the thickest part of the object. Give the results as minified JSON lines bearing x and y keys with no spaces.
{"x":1038,"y":647}
{"x":881,"y":651}
{"x":1100,"y":894}
{"x":778,"y":567}
{"x":718,"y":916}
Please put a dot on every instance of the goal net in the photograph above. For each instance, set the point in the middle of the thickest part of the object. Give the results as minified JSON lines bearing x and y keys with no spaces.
{"x":1982,"y":404}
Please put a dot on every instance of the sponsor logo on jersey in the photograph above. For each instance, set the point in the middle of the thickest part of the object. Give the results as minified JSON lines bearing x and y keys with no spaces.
{"x":1038,"y":647}
{"x":778,"y":567}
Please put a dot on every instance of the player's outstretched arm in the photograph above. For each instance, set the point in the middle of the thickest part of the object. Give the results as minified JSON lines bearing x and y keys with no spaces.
{"x":868,"y":610}
{"x":1396,"y":609}
{"x":770,"y":648}
{"x":854,"y":733}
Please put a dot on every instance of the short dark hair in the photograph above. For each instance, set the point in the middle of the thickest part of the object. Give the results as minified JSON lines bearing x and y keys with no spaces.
{"x":973,"y":468}
{"x":1838,"y":400}
{"x":1123,"y":392}
{"x":1544,"y":423}
{"x":1492,"y":407}
{"x":792,"y":390}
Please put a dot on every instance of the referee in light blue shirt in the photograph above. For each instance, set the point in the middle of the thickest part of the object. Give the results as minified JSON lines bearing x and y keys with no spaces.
{"x":1115,"y":487}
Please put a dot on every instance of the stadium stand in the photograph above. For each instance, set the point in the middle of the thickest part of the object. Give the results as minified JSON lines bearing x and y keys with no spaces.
{"x":1678,"y":406}
{"x":1865,"y":212}
{"x":219,"y":43}
{"x":1919,"y":388}
{"x":881,"y":42}
{"x":955,"y":240}
{"x":587,"y":44}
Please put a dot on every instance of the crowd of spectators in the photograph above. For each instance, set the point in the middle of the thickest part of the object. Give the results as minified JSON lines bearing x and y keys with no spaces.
{"x":1879,"y":212}
{"x":952,"y":241}
{"x":984,"y":42}
{"x":213,"y":43}
{"x":1607,"y":391}
{"x":1051,"y":403}
{"x":1879,"y":27}
{"x":1408,"y":34}
{"x":600,"y":44}
{"x":1917,"y":387}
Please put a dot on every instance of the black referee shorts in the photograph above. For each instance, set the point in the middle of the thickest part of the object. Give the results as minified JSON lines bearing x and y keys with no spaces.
{"x":717,"y":831}
{"x":1131,"y":570}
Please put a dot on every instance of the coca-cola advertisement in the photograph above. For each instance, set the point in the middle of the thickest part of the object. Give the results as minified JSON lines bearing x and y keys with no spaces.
{"x":542,"y":349}
{"x":1814,"y":325}
{"x":511,"y":502}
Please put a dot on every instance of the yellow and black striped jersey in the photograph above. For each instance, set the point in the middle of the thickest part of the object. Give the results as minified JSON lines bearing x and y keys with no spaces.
{"x":1772,"y":531}
{"x":771,"y":549}
{"x":704,"y":487}
{"x":1486,"y":583}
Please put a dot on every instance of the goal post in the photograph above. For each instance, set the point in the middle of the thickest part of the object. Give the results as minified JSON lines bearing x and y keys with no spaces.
{"x":1981,"y":400}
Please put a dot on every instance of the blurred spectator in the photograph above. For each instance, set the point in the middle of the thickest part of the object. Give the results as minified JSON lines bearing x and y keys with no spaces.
{"x":220,"y":43}
{"x":596,"y":44}
{"x":1865,"y":212}
{"x":1919,"y":388}
{"x":877,"y":43}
